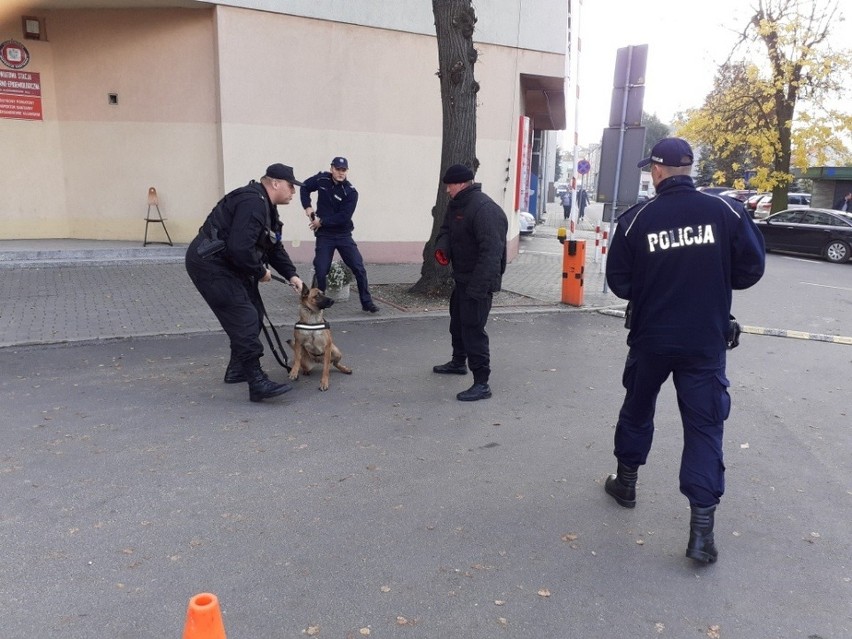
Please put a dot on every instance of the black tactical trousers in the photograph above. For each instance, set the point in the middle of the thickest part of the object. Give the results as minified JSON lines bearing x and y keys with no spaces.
{"x":468,"y":316}
{"x":233,"y":298}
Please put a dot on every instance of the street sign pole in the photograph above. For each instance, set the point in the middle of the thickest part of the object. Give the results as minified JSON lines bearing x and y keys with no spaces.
{"x":632,"y":97}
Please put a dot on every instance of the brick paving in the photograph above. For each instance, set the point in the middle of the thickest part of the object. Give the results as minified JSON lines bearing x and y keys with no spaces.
{"x":55,"y":291}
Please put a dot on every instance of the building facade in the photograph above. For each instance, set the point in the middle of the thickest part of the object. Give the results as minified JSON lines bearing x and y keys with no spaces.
{"x":197,"y":98}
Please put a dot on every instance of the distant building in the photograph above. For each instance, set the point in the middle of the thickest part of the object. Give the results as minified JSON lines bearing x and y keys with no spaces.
{"x":830,"y":183}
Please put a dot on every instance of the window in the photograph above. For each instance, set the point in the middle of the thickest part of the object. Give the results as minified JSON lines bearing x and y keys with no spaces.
{"x":813,"y":217}
{"x":787,"y":217}
{"x":840,"y":220}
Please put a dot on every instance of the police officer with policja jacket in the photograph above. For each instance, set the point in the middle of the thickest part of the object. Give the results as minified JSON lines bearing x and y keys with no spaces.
{"x":230,"y":256}
{"x":676,"y":258}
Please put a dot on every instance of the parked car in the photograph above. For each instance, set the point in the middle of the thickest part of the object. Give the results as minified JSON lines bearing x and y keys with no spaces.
{"x":751,"y":203}
{"x":714,"y":190}
{"x":738,"y":194}
{"x":794,"y":201}
{"x":526,"y":222}
{"x":822,"y":232}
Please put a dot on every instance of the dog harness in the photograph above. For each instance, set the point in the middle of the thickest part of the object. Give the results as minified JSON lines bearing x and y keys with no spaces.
{"x":312,"y":327}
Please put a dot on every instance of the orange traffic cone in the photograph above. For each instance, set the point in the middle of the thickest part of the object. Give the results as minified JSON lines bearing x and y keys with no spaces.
{"x":203,"y":618}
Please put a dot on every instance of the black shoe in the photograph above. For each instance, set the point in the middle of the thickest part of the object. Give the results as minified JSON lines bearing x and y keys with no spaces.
{"x":370,"y":308}
{"x":622,"y":486}
{"x":260,"y":386}
{"x":234,"y":374}
{"x":450,"y":368}
{"x":476,"y":392}
{"x":701,"y":546}
{"x":266,"y":389}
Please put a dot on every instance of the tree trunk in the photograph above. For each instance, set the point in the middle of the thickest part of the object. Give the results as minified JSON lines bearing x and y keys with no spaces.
{"x":454,"y":24}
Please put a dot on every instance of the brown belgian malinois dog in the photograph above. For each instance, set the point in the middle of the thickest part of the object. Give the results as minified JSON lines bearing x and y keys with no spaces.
{"x":312,"y":340}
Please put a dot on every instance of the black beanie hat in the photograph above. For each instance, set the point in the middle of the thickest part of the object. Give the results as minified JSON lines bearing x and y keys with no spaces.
{"x":457,"y":174}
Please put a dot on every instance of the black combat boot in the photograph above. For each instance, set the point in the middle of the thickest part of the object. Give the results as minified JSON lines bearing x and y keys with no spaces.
{"x":479,"y":390}
{"x":452,"y":367}
{"x":622,"y":486}
{"x":260,"y":386}
{"x":235,"y":374}
{"x":701,"y":547}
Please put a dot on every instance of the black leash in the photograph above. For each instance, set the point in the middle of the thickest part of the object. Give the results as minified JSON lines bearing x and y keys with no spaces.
{"x":285,"y":363}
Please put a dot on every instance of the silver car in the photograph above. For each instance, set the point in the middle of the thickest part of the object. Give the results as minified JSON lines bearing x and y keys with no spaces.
{"x":526,"y":222}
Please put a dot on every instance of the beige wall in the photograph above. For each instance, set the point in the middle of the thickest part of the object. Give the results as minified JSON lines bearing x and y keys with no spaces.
{"x":372,"y":95}
{"x":209,"y":98}
{"x":101,"y":159}
{"x":335,"y":89}
{"x":33,"y":175}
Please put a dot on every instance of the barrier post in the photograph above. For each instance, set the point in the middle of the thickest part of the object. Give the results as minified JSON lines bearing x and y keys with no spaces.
{"x":597,"y":243}
{"x":573,"y":271}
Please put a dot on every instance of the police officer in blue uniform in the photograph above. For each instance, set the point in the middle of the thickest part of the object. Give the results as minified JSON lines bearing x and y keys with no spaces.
{"x":676,"y":258}
{"x":230,"y":256}
{"x":332,"y":226}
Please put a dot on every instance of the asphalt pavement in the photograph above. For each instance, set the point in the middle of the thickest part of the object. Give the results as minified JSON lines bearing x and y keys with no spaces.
{"x":133,"y":478}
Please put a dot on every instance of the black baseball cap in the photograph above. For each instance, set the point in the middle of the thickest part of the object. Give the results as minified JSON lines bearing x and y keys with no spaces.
{"x":282,"y":172}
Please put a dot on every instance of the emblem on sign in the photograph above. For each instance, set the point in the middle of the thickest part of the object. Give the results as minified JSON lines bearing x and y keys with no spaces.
{"x":14,"y":54}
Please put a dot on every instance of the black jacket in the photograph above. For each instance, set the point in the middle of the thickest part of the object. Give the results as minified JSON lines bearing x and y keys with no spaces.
{"x":473,"y":237}
{"x":843,"y":205}
{"x":249,"y":225}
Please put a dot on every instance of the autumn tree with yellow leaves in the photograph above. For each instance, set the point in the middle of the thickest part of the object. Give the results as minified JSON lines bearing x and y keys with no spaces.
{"x":771,"y":107}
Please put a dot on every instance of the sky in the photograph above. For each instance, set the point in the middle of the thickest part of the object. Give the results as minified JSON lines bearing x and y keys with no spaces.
{"x":687,"y":40}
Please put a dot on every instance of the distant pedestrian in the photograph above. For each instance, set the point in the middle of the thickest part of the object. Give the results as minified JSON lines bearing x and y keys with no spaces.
{"x":473,"y":239}
{"x":567,"y":199}
{"x":332,"y":226}
{"x":676,"y":259}
{"x":844,"y":204}
{"x":582,"y":203}
{"x":230,"y":256}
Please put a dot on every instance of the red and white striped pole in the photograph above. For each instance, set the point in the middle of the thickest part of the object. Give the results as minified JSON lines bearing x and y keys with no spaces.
{"x":604,"y":242}
{"x":597,"y":243}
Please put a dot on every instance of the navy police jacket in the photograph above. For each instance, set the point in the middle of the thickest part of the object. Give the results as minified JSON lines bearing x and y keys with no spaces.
{"x":336,"y":203}
{"x":677,"y":258}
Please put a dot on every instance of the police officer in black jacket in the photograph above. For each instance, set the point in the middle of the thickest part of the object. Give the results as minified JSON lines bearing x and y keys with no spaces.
{"x":473,"y":239}
{"x":676,"y":258}
{"x":231,"y":254}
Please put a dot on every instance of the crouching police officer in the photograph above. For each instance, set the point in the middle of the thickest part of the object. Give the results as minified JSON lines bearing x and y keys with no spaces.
{"x":227,"y":260}
{"x":676,"y":258}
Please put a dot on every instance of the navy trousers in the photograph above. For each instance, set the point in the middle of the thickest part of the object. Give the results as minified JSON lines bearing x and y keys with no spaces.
{"x":468,"y":317}
{"x":351,"y":256}
{"x":704,"y":403}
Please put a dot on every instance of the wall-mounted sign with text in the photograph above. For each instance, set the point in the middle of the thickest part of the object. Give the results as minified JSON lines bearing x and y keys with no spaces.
{"x":20,"y":95}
